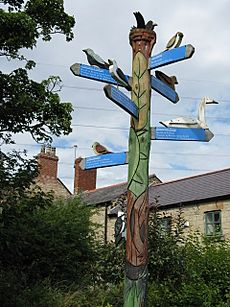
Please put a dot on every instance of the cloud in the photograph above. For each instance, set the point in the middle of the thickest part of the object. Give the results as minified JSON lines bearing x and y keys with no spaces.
{"x":104,"y":26}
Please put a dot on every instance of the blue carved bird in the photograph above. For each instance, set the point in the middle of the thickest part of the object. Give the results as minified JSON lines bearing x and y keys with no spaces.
{"x":94,"y":59}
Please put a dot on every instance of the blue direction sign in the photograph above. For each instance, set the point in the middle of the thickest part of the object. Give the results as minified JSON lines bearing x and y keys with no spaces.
{"x":106,"y":160}
{"x":103,"y":75}
{"x":171,"y":56}
{"x":121,"y":100}
{"x":163,"y":89}
{"x":179,"y":134}
{"x":93,"y":73}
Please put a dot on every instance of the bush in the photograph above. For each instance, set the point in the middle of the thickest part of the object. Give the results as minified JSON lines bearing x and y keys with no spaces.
{"x":166,"y":255}
{"x":41,"y":239}
{"x":109,"y":267}
{"x":190,"y":271}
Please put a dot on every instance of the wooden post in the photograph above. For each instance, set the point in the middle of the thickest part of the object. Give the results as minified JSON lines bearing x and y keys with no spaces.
{"x":136,"y":271}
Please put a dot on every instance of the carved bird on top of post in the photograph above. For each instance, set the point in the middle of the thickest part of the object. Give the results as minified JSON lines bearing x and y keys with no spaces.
{"x":169,"y":80}
{"x":94,"y":59}
{"x":141,"y":22}
{"x":188,"y":122}
{"x":175,"y":41}
{"x":100,"y":149}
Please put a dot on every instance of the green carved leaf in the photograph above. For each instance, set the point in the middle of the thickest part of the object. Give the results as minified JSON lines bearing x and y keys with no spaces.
{"x":139,"y":145}
{"x":142,"y":94}
{"x":135,"y":291}
{"x":134,"y":151}
{"x":138,"y":178}
{"x":141,"y":75}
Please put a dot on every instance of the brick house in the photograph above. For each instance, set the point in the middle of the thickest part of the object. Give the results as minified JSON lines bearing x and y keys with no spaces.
{"x":204,"y":199}
{"x":47,"y":179}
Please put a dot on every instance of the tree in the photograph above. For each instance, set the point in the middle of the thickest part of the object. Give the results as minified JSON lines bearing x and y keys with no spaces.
{"x":27,"y":105}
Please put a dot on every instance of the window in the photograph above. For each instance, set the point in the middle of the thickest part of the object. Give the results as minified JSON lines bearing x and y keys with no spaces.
{"x":166,"y":223}
{"x":213,"y":223}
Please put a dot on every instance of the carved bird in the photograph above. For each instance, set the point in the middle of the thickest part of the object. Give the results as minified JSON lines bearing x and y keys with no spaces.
{"x":175,"y":41}
{"x":187,"y":122}
{"x":100,"y":149}
{"x":94,"y":59}
{"x":150,"y":25}
{"x":118,"y":74}
{"x":169,"y":80}
{"x":120,"y":228}
{"x":141,"y":22}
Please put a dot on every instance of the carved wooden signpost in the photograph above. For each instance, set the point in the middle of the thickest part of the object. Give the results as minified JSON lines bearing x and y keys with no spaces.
{"x":136,"y":270}
{"x":142,"y":39}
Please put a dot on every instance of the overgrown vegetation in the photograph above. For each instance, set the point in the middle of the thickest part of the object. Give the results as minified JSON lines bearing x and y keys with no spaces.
{"x":187,"y":271}
{"x":44,"y":243}
{"x":49,"y":257}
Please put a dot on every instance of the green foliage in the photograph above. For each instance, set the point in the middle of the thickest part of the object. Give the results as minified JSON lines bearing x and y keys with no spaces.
{"x":53,"y":240}
{"x":49,"y":257}
{"x":14,"y":291}
{"x":26,"y":105}
{"x":190,"y":271}
{"x":107,"y":295}
{"x":11,"y":24}
{"x":166,"y":259}
{"x":50,"y":17}
{"x":39,"y":110}
{"x":25,"y":21}
{"x":16,"y":175}
{"x":46,"y":294}
{"x":109,"y":266}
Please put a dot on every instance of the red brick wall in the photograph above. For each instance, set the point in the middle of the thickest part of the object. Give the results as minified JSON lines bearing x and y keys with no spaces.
{"x":84,"y":180}
{"x":48,"y":169}
{"x":48,"y":163}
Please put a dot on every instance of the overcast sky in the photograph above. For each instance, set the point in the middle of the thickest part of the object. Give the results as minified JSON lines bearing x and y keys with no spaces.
{"x":104,"y":26}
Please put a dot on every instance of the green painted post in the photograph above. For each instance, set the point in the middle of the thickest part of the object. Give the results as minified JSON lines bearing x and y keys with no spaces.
{"x":136,"y":270}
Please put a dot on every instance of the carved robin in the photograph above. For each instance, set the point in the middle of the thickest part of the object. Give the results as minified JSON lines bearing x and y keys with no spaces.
{"x":100,"y":149}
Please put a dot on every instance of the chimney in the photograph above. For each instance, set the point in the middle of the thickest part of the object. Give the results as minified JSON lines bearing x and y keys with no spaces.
{"x":84,"y":180}
{"x":48,"y":162}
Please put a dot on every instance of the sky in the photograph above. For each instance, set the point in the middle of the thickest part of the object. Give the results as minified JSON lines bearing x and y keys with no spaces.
{"x":104,"y":26}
